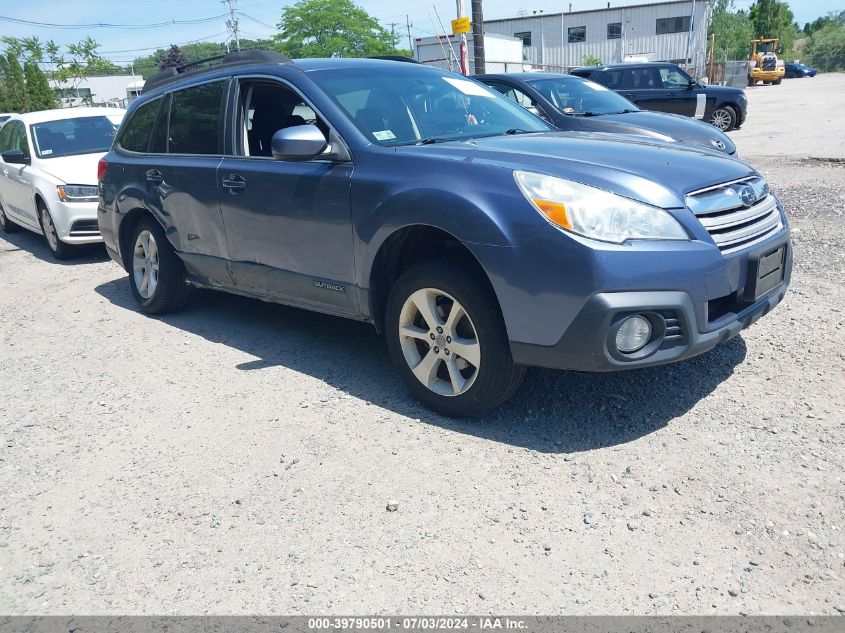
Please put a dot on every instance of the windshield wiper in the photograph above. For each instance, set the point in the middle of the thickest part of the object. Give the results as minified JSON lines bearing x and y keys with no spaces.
{"x":516,"y":130}
{"x":589,"y":113}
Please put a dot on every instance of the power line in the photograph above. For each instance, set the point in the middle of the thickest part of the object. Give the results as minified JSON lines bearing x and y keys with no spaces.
{"x":106,"y":25}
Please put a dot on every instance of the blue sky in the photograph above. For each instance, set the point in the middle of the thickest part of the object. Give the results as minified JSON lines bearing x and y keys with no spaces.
{"x":123,"y":45}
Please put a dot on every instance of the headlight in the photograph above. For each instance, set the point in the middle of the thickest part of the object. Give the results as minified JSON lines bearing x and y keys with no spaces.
{"x":77,"y":193}
{"x":596,"y":213}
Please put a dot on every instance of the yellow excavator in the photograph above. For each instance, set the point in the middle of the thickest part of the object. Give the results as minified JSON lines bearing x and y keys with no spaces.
{"x":765,"y":65}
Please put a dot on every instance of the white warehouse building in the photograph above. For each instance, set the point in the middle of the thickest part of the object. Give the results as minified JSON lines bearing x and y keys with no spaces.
{"x":663,"y":31}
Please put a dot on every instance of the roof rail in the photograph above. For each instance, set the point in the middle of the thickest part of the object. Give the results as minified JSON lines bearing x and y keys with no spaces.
{"x":235,"y":58}
{"x":395,"y":58}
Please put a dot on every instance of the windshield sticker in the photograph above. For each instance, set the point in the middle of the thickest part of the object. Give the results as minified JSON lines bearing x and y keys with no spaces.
{"x":595,"y":86}
{"x":46,"y":152}
{"x":384,"y":135}
{"x":569,"y":110}
{"x":469,"y":87}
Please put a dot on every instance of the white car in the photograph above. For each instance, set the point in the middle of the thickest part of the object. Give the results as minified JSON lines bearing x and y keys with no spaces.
{"x":48,"y":173}
{"x":5,"y":116}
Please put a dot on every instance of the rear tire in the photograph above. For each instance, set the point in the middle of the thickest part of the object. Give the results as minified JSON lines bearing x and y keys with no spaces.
{"x":723,"y":118}
{"x":443,"y":323}
{"x":156,"y":274}
{"x":5,"y":223}
{"x":59,"y":249}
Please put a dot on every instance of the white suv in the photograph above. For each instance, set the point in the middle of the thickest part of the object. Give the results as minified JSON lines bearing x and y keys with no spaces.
{"x":48,"y":173}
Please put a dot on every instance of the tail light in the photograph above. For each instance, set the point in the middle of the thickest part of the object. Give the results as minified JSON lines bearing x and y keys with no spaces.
{"x":102,"y":166}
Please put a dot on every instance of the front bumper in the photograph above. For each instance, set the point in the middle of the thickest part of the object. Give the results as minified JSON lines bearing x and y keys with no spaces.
{"x":565,"y":314}
{"x":76,"y":222}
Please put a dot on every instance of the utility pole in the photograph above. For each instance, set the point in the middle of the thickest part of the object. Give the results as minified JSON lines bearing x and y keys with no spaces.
{"x":478,"y":37}
{"x":410,"y":43}
{"x":464,"y":51}
{"x":232,"y":22}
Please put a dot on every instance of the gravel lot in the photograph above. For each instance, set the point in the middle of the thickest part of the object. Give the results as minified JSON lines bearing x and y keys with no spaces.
{"x":238,"y":457}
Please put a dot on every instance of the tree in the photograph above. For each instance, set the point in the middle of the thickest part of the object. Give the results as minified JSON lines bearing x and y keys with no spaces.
{"x":174,"y":57}
{"x":731,"y":30}
{"x":14,"y":85}
{"x":326,"y":28}
{"x":826,"y":48}
{"x":773,"y":18}
{"x":39,"y":94}
{"x":82,"y":61}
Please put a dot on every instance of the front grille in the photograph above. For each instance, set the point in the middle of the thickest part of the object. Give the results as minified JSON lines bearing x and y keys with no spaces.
{"x":732,"y":224}
{"x":85,"y":228}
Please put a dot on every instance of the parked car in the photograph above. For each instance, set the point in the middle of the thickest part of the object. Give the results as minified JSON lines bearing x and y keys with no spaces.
{"x":576,"y":104}
{"x":476,"y":237}
{"x":667,"y":88}
{"x":48,"y":173}
{"x":799,"y":70}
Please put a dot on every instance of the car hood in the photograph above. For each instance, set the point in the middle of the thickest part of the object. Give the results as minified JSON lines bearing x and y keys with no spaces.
{"x":72,"y":170}
{"x":651,"y":172}
{"x":675,"y":126}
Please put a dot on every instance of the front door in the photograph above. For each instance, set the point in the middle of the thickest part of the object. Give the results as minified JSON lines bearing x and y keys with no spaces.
{"x":683,"y":95}
{"x":288,"y":224}
{"x":16,"y":187}
{"x":643,"y":86}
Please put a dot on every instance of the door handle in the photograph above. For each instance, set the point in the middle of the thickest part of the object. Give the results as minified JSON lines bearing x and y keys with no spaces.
{"x":154,"y":176}
{"x":234,"y":183}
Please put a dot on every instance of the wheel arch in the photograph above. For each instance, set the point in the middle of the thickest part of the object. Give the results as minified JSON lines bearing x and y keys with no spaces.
{"x":405,"y":247}
{"x":124,"y":230}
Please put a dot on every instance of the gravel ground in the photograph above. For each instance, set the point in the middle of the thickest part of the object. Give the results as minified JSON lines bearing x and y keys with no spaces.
{"x":239,"y":457}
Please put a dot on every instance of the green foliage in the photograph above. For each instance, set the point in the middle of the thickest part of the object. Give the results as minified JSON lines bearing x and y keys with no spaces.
{"x":830,"y":18}
{"x":174,"y":57}
{"x":826,"y":47}
{"x":590,"y":60}
{"x":732,"y":30}
{"x":150,"y":64}
{"x":326,"y":28}
{"x":774,"y":18}
{"x":14,"y":97}
{"x":38,"y":91}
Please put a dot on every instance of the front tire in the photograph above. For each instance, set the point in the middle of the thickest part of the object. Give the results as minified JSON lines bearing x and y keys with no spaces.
{"x":59,"y":249}
{"x":776,"y":82}
{"x":156,"y":274}
{"x":723,"y":118}
{"x":5,"y":223}
{"x":447,"y":339}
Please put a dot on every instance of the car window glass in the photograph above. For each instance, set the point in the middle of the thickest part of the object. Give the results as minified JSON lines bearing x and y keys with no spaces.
{"x":72,"y":137}
{"x":17,"y":137}
{"x":671,"y":78}
{"x":572,"y":95}
{"x":195,"y":120}
{"x":136,"y":133}
{"x":645,"y":79}
{"x":5,"y":136}
{"x":158,"y":141}
{"x":412,"y":105}
{"x":609,"y":78}
{"x":267,"y":107}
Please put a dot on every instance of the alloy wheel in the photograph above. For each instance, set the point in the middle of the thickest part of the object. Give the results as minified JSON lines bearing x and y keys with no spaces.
{"x":49,"y":230}
{"x":721,"y":119}
{"x":439,"y":342}
{"x":145,"y":264}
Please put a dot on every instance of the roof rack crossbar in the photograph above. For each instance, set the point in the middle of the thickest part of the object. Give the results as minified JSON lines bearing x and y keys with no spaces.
{"x":235,"y":58}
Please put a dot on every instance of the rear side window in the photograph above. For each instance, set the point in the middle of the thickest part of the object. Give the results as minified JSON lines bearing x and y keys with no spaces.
{"x":136,"y":134}
{"x":195,"y":120}
{"x":609,"y":78}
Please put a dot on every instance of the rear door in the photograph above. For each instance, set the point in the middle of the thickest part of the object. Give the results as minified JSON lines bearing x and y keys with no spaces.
{"x":181,"y":176}
{"x":643,"y":86}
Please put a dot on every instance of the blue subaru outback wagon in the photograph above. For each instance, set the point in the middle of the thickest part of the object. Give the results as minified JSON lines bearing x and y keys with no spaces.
{"x":476,"y":238}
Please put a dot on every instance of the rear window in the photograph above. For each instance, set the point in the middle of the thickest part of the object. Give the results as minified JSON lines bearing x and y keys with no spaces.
{"x":609,"y":78}
{"x":71,"y":137}
{"x":195,"y":120}
{"x":136,"y":134}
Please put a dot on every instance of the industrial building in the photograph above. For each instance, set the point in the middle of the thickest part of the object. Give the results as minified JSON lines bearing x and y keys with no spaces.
{"x":663,"y":31}
{"x":110,"y":90}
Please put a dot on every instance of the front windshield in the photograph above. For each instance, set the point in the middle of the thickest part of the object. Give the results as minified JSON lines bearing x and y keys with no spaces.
{"x":69,"y":137}
{"x":577,"y":96}
{"x":411,"y":104}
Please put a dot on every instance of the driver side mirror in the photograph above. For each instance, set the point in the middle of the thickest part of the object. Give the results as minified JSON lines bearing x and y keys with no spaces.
{"x":15,"y":157}
{"x":300,"y":142}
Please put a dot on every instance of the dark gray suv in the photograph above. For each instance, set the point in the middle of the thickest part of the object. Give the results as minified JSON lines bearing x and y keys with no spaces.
{"x":479,"y":240}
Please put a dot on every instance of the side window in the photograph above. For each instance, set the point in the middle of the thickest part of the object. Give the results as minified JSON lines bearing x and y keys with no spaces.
{"x":136,"y":134}
{"x":17,"y":137}
{"x":195,"y":120}
{"x":5,"y":138}
{"x":158,"y":143}
{"x":672,"y":78}
{"x":515,"y":94}
{"x":267,"y":107}
{"x":645,"y":79}
{"x":609,"y":78}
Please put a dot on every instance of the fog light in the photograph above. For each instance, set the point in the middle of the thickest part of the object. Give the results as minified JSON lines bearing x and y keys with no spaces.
{"x":633,"y":334}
